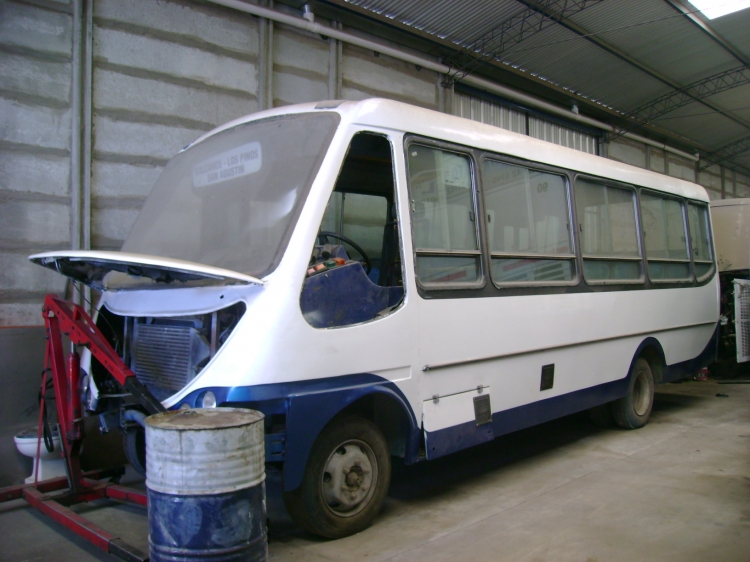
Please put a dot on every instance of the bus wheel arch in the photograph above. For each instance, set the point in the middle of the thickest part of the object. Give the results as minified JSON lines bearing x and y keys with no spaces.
{"x":389,"y":415}
{"x":653,"y":353}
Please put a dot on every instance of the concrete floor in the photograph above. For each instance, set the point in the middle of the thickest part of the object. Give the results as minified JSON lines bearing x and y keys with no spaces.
{"x":676,"y":490}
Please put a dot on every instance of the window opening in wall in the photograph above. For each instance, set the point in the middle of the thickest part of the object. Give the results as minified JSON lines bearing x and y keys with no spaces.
{"x":528,"y":225}
{"x":354,"y":274}
{"x":699,"y":240}
{"x":607,"y":226}
{"x":665,"y":238}
{"x":444,"y":227}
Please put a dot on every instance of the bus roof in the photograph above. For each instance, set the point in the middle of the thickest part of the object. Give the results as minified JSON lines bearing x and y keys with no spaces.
{"x":402,"y":117}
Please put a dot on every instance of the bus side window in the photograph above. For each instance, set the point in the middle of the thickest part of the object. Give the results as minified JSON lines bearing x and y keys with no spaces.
{"x":665,"y":238}
{"x":443,"y":217}
{"x":527,"y":225}
{"x":354,"y":273}
{"x":609,"y":239}
{"x":701,"y":245}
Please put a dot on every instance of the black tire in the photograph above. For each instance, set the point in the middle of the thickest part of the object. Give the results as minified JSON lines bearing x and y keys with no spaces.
{"x":346,"y":480}
{"x":601,"y":416}
{"x":633,"y":410}
{"x":134,"y":443}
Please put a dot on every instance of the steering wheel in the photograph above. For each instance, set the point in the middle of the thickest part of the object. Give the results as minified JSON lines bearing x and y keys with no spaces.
{"x":365,"y":257}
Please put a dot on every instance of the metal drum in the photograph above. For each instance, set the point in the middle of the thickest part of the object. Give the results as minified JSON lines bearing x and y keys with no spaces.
{"x":206,"y":485}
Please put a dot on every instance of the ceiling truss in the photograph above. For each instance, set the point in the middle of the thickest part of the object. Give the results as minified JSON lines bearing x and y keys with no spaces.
{"x":725,"y":153}
{"x":699,"y":90}
{"x":511,"y":32}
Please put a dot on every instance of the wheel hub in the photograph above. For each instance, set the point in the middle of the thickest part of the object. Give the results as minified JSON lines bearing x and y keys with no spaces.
{"x":348,"y":478}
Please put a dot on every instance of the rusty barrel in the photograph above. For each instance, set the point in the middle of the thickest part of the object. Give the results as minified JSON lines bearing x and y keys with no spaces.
{"x":206,"y":485}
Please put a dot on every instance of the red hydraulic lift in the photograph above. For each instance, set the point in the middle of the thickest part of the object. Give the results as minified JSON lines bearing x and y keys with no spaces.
{"x":63,"y":317}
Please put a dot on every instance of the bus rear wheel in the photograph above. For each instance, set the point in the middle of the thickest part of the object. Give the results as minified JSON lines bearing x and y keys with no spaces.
{"x":633,"y":410}
{"x":346,"y":481}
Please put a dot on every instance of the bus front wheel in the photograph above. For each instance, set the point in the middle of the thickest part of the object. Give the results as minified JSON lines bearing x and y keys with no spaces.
{"x":346,"y":481}
{"x":633,"y":410}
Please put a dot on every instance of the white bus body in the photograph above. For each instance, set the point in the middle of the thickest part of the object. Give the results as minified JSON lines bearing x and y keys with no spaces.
{"x":516,"y":281}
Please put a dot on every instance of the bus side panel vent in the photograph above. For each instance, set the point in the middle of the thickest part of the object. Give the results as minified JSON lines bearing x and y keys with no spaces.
{"x":548,"y":377}
{"x":742,"y":319}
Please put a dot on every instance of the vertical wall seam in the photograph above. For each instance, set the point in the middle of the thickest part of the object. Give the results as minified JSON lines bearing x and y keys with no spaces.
{"x":339,"y":64}
{"x":88,"y":140}
{"x":261,"y":93}
{"x":265,"y":62}
{"x":88,"y":86}
{"x":333,"y":66}
{"x":269,"y":61}
{"x":76,"y":133}
{"x":76,"y":84}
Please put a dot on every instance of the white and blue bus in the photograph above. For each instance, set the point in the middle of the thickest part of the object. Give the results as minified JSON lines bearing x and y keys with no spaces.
{"x":382,"y":280}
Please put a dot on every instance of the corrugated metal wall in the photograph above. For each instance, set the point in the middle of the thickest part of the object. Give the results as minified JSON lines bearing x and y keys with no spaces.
{"x":490,"y":113}
{"x":515,"y":120}
{"x":565,"y":136}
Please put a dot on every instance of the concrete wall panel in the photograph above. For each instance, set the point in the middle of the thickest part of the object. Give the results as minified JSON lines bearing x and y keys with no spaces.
{"x":292,"y":88}
{"x":742,"y":185}
{"x":301,"y":63}
{"x":113,"y":179}
{"x":35,"y":222}
{"x":681,"y":168}
{"x":144,"y":98}
{"x":115,"y":47}
{"x":44,"y":127}
{"x":711,"y":180}
{"x":627,"y":151}
{"x":209,"y":24}
{"x":20,"y":314}
{"x":365,"y":75}
{"x":32,"y":27}
{"x":110,"y":226}
{"x":39,"y":173}
{"x":125,"y":138}
{"x":657,"y":160}
{"x":26,"y":76}
{"x":19,"y":275}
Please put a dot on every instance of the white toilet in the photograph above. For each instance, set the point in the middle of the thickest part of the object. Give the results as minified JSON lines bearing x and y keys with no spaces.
{"x":51,"y":465}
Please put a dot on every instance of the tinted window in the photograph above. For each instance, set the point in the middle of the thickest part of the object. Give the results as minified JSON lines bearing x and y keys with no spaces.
{"x":527,"y":224}
{"x":700,"y":242}
{"x":609,"y":240}
{"x":665,"y":238}
{"x":443,"y":218}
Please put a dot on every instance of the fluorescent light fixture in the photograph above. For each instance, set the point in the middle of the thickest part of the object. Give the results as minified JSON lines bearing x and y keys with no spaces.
{"x":713,"y":9}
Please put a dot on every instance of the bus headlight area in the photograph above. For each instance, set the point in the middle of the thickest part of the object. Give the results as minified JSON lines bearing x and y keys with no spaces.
{"x":208,"y":400}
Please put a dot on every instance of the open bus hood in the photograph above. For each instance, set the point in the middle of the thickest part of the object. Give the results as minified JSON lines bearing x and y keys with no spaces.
{"x":90,"y":268}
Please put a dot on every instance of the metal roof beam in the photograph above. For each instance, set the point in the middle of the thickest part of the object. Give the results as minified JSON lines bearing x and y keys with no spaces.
{"x":627,"y":58}
{"x":511,"y":32}
{"x":725,"y":153}
{"x":697,"y":91}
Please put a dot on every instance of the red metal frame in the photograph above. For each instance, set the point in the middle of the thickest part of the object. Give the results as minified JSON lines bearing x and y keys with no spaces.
{"x":62,"y":317}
